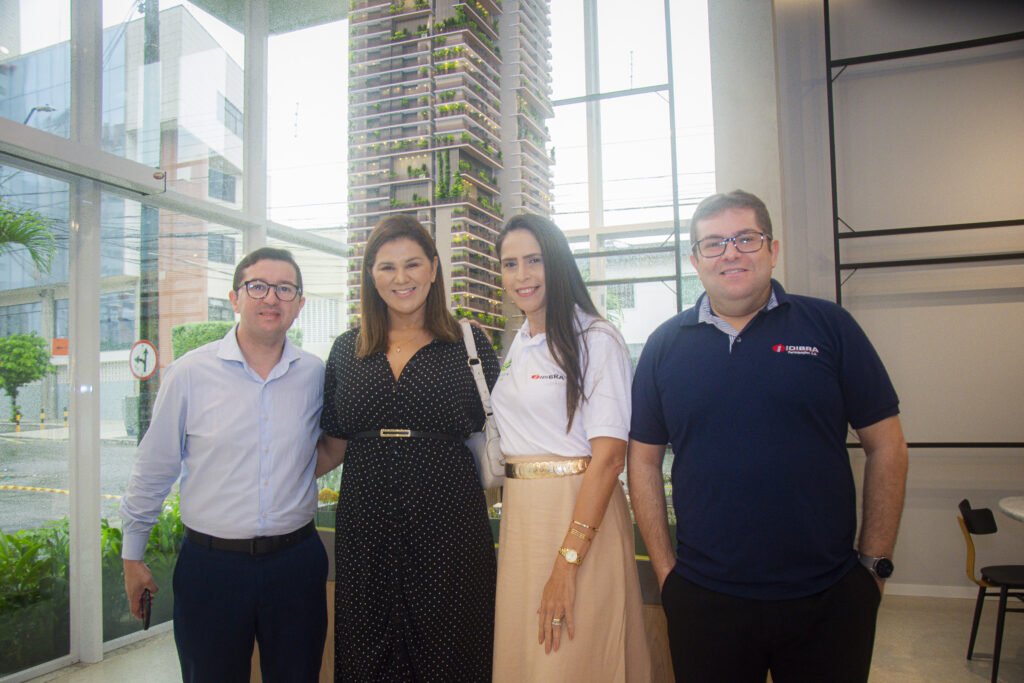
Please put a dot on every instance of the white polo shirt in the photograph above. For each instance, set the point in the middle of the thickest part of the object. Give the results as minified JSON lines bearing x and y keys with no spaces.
{"x":529,"y":397}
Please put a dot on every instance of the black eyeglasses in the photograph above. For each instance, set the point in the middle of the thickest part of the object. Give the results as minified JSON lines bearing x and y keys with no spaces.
{"x":258,"y":289}
{"x":747,"y":242}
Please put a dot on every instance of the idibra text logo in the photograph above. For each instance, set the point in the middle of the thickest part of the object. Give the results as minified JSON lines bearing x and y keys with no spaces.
{"x":795,"y":350}
{"x":554,"y":375}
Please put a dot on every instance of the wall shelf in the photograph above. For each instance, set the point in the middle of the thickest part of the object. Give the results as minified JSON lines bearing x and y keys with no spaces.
{"x":838,"y":224}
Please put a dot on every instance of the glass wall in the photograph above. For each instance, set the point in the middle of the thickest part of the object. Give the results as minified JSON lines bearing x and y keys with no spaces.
{"x":35,"y":64}
{"x":173,"y":81}
{"x":172,"y":99}
{"x":35,"y":487}
{"x":615,"y":194}
{"x":159,"y":263}
{"x":614,"y":188}
{"x":308,"y":180}
{"x":307,"y":83}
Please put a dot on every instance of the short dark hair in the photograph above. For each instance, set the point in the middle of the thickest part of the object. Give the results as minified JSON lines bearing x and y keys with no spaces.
{"x":262,"y":254}
{"x":737,"y":199}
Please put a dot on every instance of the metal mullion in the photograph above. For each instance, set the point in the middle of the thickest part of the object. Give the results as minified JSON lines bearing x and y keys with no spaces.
{"x":629,"y":280}
{"x":254,"y":132}
{"x":623,"y":252}
{"x":931,"y":228}
{"x":593,"y":97}
{"x":595,"y":166}
{"x":84,"y":572}
{"x":940,"y":260}
{"x":676,"y":225}
{"x":830,"y":97}
{"x":928,"y":50}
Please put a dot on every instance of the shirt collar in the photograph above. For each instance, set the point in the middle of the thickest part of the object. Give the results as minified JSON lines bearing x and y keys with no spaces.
{"x":701,"y":311}
{"x":228,"y":349}
{"x":524,"y":330}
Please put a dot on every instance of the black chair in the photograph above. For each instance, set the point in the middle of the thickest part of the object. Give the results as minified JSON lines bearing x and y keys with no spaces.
{"x":1005,"y":580}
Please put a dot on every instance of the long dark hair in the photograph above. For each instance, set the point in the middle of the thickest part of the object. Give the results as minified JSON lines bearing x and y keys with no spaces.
{"x":373,"y":331}
{"x":564,"y":289}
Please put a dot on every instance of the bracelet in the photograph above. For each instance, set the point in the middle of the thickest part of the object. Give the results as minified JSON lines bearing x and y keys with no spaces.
{"x":585,"y":526}
{"x":579,"y":534}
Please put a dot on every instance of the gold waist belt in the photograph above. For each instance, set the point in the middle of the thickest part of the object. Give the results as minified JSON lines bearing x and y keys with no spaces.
{"x":563,"y":467}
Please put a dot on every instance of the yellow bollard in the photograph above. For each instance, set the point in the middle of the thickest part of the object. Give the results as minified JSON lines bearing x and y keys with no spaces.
{"x":65,"y":417}
{"x":17,"y":424}
{"x":42,"y":420}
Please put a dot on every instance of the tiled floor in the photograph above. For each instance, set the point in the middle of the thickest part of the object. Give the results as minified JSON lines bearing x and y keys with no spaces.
{"x":918,"y":640}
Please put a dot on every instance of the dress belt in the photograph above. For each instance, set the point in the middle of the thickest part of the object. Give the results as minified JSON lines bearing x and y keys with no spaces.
{"x":405,"y":434}
{"x":563,"y":467}
{"x":261,"y":545}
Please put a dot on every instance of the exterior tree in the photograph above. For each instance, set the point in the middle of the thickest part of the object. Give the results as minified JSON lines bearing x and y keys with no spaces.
{"x":24,"y":358}
{"x":29,"y":230}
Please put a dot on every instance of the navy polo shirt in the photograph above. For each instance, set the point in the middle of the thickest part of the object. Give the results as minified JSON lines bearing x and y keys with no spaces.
{"x":762,"y":487}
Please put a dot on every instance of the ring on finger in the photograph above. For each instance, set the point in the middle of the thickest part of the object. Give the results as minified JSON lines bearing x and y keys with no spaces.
{"x":557,"y":621}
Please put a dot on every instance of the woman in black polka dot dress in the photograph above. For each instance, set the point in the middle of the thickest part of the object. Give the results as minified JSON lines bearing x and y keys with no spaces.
{"x":414,"y":591}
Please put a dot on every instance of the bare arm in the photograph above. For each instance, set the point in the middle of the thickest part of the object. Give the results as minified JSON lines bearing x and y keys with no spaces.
{"x":330,"y":452}
{"x":599,"y":481}
{"x":885,"y":479}
{"x":647,"y":496}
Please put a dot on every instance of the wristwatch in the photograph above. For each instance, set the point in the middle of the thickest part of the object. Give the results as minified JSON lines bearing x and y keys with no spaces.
{"x":879,"y":566}
{"x":570,"y":555}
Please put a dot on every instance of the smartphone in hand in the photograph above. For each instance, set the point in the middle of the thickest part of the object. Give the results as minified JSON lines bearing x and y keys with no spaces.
{"x":146,"y":603}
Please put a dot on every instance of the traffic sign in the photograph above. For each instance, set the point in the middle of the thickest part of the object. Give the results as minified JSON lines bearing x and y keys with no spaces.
{"x":142,"y":359}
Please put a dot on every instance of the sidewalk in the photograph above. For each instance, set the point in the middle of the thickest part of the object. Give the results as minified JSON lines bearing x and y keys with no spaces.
{"x":110,"y":430}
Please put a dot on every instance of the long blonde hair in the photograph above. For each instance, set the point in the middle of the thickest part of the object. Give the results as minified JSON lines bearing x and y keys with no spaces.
{"x":373,"y":333}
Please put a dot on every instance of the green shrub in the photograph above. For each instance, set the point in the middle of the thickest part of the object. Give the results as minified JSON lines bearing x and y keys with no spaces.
{"x":34,"y":603}
{"x":188,"y":336}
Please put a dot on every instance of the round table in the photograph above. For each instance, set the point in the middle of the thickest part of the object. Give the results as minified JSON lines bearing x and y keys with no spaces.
{"x":1013,"y":506}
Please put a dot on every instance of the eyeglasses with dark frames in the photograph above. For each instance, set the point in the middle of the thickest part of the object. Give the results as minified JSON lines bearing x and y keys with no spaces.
{"x":258,"y":289}
{"x":747,"y":242}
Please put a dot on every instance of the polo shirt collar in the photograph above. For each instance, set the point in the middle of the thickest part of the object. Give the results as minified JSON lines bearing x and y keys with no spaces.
{"x":701,"y":310}
{"x":541,"y":338}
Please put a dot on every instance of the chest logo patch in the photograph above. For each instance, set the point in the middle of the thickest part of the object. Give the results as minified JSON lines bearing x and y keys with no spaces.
{"x":794,"y":350}
{"x":554,"y":376}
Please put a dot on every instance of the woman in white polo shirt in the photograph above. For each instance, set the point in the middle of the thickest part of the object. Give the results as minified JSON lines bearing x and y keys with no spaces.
{"x":568,"y":603}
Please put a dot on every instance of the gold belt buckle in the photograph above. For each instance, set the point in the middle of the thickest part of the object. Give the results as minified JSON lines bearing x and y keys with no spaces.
{"x":395,"y":433}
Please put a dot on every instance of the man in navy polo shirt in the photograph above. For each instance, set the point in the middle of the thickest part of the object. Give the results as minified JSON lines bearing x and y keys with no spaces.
{"x":754,"y":388}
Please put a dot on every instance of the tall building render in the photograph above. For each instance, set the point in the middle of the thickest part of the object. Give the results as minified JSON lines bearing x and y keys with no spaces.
{"x":447,"y":103}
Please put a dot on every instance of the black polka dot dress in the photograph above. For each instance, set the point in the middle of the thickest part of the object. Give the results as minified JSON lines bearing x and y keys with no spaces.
{"x":414,"y":591}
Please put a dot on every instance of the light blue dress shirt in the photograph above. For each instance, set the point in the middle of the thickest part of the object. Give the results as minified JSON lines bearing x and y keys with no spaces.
{"x":244,"y":446}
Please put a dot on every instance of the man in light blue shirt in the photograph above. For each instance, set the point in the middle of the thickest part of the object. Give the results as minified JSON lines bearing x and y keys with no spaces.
{"x":238,"y":419}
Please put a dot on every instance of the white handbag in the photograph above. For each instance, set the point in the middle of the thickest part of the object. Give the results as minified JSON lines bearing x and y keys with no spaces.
{"x":485,"y":445}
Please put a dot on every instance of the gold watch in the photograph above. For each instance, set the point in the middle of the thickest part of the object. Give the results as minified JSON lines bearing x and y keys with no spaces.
{"x":570,"y":555}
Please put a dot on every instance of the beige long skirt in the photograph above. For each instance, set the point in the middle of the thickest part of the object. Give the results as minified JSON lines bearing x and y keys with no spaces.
{"x":609,"y":643}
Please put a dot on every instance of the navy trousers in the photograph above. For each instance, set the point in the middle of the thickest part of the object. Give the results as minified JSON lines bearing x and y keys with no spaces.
{"x":829,"y":636}
{"x":224,"y":600}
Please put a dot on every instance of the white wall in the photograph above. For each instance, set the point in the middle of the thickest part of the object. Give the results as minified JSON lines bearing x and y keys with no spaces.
{"x":921,"y":141}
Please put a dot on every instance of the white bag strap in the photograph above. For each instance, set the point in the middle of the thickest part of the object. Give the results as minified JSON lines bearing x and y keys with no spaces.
{"x":476,"y":367}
